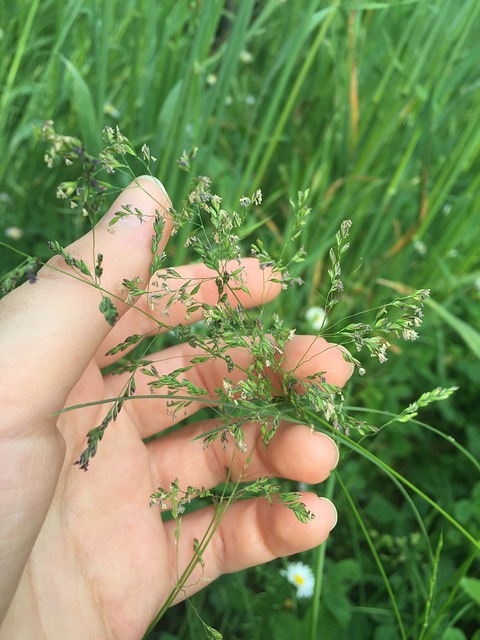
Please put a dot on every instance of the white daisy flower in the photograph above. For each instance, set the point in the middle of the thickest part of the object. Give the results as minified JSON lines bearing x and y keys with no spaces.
{"x":302,"y":578}
{"x":13,"y":233}
{"x":317,"y":318}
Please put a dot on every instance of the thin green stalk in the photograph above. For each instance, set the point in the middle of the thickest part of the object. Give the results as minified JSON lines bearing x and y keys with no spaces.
{"x":223,"y":504}
{"x":16,"y":62}
{"x":375,"y":555}
{"x":182,"y":102}
{"x":104,"y":28}
{"x":275,"y":136}
{"x":320,"y":569}
{"x":445,"y":436}
{"x":433,"y":586}
{"x":215,"y":100}
{"x":395,"y":474}
{"x":219,"y":512}
{"x":452,"y":594}
{"x":398,"y":477}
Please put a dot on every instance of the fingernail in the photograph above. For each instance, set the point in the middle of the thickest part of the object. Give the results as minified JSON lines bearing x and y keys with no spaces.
{"x":130,"y":215}
{"x":334,"y":510}
{"x":334,"y":445}
{"x":352,"y":366}
{"x":337,"y":453}
{"x":155,"y":181}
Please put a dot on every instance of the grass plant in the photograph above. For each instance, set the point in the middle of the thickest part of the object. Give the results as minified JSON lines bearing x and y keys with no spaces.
{"x":373,"y":107}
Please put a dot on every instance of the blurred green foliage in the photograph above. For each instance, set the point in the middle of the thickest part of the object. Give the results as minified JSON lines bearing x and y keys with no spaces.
{"x":372,"y":105}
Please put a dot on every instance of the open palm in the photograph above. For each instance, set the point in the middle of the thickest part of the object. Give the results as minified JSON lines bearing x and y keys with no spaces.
{"x":90,"y":558}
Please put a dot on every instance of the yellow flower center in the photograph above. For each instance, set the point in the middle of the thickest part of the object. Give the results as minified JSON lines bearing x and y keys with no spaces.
{"x":299,"y":579}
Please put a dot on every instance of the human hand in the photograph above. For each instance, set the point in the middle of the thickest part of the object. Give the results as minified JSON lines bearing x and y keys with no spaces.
{"x":81,"y":554}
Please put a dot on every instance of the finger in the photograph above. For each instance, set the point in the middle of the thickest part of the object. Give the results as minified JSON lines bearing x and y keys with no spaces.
{"x":155,"y":312}
{"x":309,"y":355}
{"x":250,"y":533}
{"x":56,"y":322}
{"x":306,"y":355}
{"x":296,"y":452}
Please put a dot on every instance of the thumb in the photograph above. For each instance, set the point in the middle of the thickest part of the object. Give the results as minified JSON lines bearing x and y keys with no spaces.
{"x":51,"y":330}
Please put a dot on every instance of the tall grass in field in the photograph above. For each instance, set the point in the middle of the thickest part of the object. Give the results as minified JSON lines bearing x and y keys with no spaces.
{"x":374,"y":106}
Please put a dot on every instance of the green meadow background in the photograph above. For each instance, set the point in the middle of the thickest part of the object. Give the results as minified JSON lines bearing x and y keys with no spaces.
{"x":375,"y":108}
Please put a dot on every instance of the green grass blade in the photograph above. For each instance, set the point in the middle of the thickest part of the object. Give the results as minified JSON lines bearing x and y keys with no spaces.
{"x":85,"y":107}
{"x":375,"y":555}
{"x":469,"y":335}
{"x":431,"y":593}
{"x":319,"y":569}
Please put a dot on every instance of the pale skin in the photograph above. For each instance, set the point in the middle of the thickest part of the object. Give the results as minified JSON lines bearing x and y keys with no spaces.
{"x":81,"y":553}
